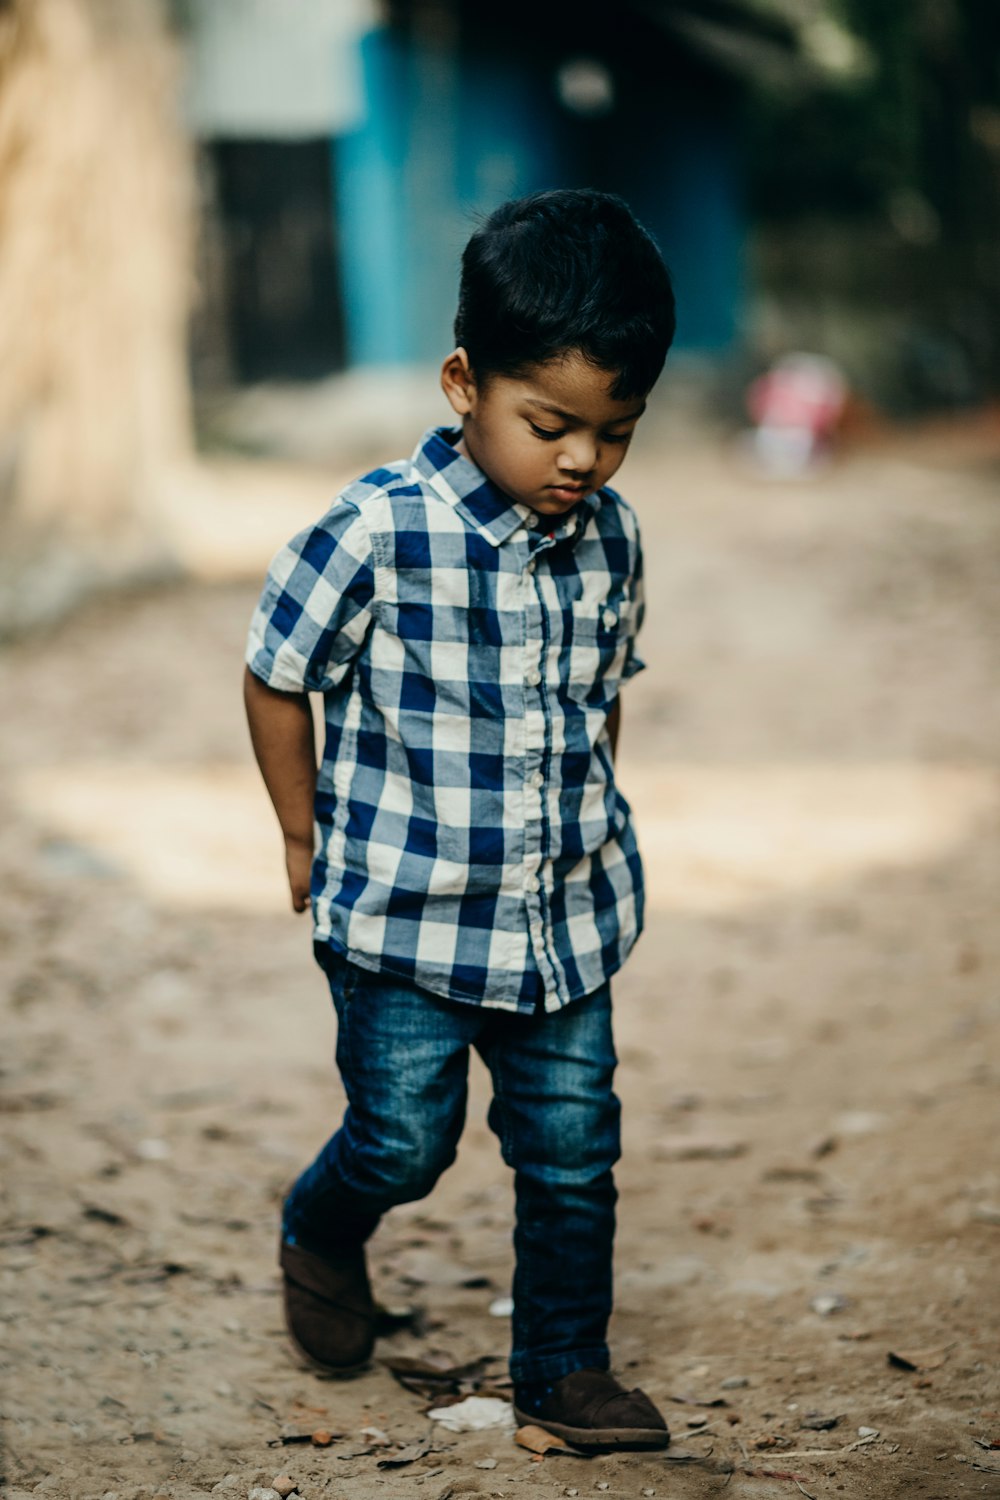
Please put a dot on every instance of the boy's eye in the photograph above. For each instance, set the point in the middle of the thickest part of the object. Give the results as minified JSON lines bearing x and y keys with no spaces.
{"x":550,"y":434}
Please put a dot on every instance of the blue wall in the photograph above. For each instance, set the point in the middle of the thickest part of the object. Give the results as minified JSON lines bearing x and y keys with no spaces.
{"x":446,"y":138}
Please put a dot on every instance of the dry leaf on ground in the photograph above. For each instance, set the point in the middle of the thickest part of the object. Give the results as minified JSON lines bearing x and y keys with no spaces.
{"x":924,"y":1359}
{"x":407,"y":1455}
{"x":428,"y":1377}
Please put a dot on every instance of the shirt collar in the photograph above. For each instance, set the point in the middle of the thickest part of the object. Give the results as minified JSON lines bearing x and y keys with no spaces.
{"x":480,"y":502}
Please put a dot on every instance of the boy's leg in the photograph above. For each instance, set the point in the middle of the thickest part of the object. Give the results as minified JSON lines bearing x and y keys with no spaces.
{"x":403,"y":1057}
{"x":557,"y":1118}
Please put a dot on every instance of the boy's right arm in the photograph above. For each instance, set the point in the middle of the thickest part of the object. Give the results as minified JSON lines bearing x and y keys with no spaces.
{"x":281,"y":731}
{"x":309,"y":627}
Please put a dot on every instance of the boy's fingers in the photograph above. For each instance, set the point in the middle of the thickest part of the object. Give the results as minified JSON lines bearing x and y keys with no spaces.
{"x":298,"y":863}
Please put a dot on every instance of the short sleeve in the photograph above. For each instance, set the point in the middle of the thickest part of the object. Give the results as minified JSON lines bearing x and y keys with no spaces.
{"x":633,"y":661}
{"x":316,"y":606}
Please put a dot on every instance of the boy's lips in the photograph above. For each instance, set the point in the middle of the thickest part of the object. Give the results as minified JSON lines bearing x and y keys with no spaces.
{"x":567,"y":491}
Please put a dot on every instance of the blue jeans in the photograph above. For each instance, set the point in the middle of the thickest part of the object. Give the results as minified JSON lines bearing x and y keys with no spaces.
{"x":403,"y":1055}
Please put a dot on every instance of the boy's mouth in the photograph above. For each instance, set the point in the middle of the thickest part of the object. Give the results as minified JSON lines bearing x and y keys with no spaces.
{"x":567,"y":491}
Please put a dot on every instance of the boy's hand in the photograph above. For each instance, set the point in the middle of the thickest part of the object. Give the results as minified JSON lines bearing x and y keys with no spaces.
{"x":298,"y":863}
{"x":281,"y":728}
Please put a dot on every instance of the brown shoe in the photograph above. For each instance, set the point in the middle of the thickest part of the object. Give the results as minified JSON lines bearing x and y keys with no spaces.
{"x":329,"y":1309}
{"x":591,"y":1410}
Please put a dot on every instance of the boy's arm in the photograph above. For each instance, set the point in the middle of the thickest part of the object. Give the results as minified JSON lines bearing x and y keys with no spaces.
{"x":309,"y":627}
{"x":281,"y":731}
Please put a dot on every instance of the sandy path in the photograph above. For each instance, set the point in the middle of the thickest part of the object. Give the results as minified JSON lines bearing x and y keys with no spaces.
{"x":813,"y":760}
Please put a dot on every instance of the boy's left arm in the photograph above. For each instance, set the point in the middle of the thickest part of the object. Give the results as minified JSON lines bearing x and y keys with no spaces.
{"x":633,"y":661}
{"x":614,"y":724}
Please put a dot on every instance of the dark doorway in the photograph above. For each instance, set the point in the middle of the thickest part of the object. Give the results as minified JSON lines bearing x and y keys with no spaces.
{"x":280,"y":272}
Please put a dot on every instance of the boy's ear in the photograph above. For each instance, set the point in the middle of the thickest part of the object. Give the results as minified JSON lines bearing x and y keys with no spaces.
{"x":459,"y":383}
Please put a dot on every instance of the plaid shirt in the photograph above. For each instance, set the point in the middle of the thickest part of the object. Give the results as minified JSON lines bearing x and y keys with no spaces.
{"x":470,"y":836}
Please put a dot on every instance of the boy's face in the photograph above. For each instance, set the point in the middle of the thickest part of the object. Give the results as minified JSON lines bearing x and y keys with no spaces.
{"x":548,"y":437}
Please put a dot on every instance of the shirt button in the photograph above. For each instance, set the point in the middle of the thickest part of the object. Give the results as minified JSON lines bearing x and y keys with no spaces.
{"x":532,"y":884}
{"x":533,"y":678}
{"x":535,"y":779}
{"x":609,"y":619}
{"x":532,"y":520}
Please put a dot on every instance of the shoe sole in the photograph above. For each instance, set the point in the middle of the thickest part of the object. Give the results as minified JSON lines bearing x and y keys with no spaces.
{"x":637,"y":1438}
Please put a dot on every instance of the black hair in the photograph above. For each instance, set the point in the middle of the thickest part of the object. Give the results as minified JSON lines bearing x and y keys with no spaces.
{"x":570,"y":269}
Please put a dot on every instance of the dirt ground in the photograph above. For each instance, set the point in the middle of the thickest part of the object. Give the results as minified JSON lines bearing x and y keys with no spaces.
{"x":808,"y":1033}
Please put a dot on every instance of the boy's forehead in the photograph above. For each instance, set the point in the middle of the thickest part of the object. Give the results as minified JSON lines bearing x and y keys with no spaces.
{"x":573,"y":386}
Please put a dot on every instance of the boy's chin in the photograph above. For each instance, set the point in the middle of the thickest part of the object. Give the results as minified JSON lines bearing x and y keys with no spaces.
{"x":549,"y":505}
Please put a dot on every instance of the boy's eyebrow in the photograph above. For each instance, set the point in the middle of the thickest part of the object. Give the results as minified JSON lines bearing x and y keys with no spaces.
{"x":568,"y":416}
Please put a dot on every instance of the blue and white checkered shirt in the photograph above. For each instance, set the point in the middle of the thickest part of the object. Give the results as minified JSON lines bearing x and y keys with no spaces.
{"x":470,"y":835}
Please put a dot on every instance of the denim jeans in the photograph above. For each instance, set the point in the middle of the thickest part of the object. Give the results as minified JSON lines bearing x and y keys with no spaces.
{"x":403,"y":1055}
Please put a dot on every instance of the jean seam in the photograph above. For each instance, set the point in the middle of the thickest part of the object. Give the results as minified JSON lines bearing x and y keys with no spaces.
{"x":506,"y":1134}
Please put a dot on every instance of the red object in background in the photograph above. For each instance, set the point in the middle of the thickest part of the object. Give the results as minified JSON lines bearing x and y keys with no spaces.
{"x":801,"y":390}
{"x":797,"y":407}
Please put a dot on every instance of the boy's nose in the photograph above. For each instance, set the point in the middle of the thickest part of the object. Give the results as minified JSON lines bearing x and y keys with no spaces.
{"x":578,"y":456}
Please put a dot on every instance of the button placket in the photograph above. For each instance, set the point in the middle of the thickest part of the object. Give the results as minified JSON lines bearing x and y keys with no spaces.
{"x":535,"y":742}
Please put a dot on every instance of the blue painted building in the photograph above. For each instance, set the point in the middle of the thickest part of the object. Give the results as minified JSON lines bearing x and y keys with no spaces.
{"x":353,"y":146}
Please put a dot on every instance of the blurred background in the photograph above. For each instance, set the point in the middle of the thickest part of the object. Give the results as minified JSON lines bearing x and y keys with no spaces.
{"x":229,"y":240}
{"x":238,"y":229}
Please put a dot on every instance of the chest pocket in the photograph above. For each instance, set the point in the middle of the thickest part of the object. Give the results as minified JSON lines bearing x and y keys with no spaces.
{"x":601,"y":632}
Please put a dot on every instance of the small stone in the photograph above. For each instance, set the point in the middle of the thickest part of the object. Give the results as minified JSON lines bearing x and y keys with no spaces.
{"x":263,"y":1492}
{"x":867,"y":1432}
{"x":828,"y":1303}
{"x":284,"y":1486}
{"x":859,"y":1122}
{"x":697,"y":1421}
{"x":486,"y":1463}
{"x":321,"y":1438}
{"x":649,"y":1492}
{"x":734,"y":1383}
{"x":571,"y":1492}
{"x":602,"y":1484}
{"x":501,"y":1307}
{"x":152,"y":1150}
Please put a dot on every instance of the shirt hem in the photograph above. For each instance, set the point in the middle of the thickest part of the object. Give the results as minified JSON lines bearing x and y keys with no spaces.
{"x":376,"y":965}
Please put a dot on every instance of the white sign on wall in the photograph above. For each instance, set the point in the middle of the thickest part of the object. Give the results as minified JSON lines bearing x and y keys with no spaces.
{"x":275,"y":68}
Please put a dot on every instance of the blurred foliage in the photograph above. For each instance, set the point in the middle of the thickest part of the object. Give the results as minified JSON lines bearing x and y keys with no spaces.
{"x":913,"y":138}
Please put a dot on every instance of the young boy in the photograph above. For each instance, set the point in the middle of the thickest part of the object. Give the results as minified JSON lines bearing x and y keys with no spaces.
{"x":469,"y":616}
